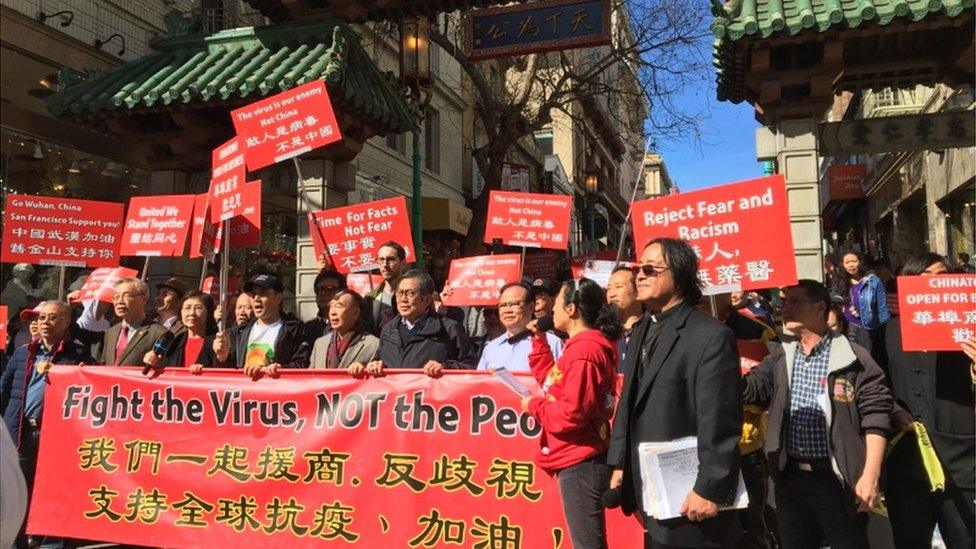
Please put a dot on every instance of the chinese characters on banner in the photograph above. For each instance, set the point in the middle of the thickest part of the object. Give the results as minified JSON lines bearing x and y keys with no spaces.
{"x":44,"y":230}
{"x":741,"y":232}
{"x":477,"y":280}
{"x":286,"y":125}
{"x":220,"y":461}
{"x":157,"y":225}
{"x":245,"y":230}
{"x":363,"y":283}
{"x":3,"y":327}
{"x":528,"y":219}
{"x":227,"y":181}
{"x":540,"y":264}
{"x":354,"y":234}
{"x":937,"y":312}
{"x":101,"y":282}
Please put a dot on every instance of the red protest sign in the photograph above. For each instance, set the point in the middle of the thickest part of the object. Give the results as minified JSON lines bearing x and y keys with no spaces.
{"x":529,"y":219}
{"x":204,"y":235}
{"x":936,"y":313}
{"x":44,"y":230}
{"x":286,"y":125}
{"x":245,"y":230}
{"x":211,"y":285}
{"x":217,"y":460}
{"x":227,"y":181}
{"x":751,"y":354}
{"x":578,"y":263}
{"x":477,"y":280}
{"x":355,"y":233}
{"x":741,"y":232}
{"x":363,"y":283}
{"x":540,"y":265}
{"x":100,"y":283}
{"x":3,"y":327}
{"x":157,"y":225}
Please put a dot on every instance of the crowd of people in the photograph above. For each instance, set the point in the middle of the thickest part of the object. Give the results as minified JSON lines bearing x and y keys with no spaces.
{"x":830,"y":403}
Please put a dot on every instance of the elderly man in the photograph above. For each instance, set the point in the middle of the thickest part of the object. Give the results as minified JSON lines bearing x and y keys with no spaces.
{"x":380,"y":303}
{"x":126,"y":343}
{"x":622,"y":292}
{"x":419,"y":337}
{"x":269,"y":341}
{"x":327,"y":283}
{"x":346,"y":345}
{"x":512,"y":348}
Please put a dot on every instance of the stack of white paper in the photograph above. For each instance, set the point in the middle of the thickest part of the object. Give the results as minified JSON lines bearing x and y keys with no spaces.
{"x":669,"y":471}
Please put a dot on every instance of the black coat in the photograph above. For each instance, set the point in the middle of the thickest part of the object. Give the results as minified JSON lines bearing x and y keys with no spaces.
{"x":291,"y":348}
{"x":174,"y":354}
{"x":441,"y":339}
{"x":689,"y":386}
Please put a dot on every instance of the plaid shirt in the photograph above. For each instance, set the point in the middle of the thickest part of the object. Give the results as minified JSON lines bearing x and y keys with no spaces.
{"x":806,"y":435}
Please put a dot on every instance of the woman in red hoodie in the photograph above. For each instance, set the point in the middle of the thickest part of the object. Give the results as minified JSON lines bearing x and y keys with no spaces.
{"x":579,"y":399}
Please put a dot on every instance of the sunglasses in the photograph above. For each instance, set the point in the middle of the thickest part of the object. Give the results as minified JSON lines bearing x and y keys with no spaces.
{"x":650,"y":270}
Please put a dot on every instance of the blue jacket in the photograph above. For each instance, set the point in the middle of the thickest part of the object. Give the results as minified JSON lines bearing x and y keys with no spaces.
{"x":872,"y":304}
{"x":13,"y":382}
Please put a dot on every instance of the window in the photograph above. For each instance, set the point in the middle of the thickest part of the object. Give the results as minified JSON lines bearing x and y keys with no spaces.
{"x":435,"y":59}
{"x":543,"y":139}
{"x":397,"y":142}
{"x":432,"y":140}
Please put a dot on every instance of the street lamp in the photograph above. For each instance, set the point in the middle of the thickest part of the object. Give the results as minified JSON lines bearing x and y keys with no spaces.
{"x":592,"y":185}
{"x":415,"y":73}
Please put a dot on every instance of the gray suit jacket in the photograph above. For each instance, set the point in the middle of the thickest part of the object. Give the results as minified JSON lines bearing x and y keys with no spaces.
{"x":365,"y":349}
{"x":139,"y":344}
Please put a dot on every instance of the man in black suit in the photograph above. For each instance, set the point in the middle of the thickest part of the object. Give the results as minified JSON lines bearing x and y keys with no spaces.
{"x":681,"y":378}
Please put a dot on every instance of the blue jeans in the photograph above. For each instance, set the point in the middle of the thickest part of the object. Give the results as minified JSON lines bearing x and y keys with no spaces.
{"x":812,"y":507}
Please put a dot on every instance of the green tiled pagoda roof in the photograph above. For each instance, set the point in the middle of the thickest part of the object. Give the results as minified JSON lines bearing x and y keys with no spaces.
{"x":760,"y":19}
{"x":239,"y":66}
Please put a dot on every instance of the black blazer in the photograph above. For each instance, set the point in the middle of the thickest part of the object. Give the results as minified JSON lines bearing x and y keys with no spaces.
{"x":441,"y":339}
{"x":174,"y":354}
{"x":690,"y":386}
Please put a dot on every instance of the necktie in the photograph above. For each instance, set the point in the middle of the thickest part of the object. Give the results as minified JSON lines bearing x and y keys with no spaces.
{"x":122,"y":344}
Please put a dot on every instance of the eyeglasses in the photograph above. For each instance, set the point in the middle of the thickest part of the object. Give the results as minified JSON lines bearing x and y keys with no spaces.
{"x":126,"y":296}
{"x":651,"y":270}
{"x":518,"y":304}
{"x":409,"y":294}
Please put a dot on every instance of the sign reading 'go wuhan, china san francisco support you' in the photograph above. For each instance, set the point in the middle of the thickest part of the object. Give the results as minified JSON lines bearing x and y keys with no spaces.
{"x":537,"y":27}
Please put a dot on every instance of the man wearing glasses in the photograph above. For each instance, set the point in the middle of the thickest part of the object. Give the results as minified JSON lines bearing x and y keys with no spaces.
{"x":327,"y":283}
{"x":419,"y":337}
{"x":128,"y":341}
{"x":512,"y":348}
{"x":381,"y":303}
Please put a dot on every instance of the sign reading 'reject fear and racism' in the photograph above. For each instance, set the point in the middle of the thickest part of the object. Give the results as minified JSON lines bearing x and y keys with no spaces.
{"x":286,"y":125}
{"x":354,"y":234}
{"x":157,"y":225}
{"x":741,"y":232}
{"x":937,"y":313}
{"x":307,"y":460}
{"x":477,"y":280}
{"x":529,"y":219}
{"x":44,"y":230}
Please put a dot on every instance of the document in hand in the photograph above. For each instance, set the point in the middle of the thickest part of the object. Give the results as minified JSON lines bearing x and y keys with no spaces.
{"x":505,"y":375}
{"x":669,"y":471}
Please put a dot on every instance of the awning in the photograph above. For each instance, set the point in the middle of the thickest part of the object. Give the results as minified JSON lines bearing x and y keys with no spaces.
{"x":446,"y":214}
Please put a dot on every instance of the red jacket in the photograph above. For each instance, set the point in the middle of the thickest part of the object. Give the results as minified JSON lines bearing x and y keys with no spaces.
{"x":580,"y":396}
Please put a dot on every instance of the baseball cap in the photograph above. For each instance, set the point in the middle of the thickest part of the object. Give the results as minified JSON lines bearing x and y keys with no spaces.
{"x":29,"y":314}
{"x":264,"y":281}
{"x":547,"y":286}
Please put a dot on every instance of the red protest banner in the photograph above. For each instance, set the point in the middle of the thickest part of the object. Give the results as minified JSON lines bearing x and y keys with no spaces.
{"x":3,"y":327}
{"x":578,"y":263}
{"x":227,"y":177}
{"x":477,"y":280}
{"x":529,"y":219}
{"x":100,"y":283}
{"x":204,"y":235}
{"x":355,"y":233}
{"x":540,"y":265}
{"x":44,"y":230}
{"x":741,"y":232}
{"x":220,"y":460}
{"x":362,"y":284}
{"x":157,"y":225}
{"x":937,"y":312}
{"x":286,"y":125}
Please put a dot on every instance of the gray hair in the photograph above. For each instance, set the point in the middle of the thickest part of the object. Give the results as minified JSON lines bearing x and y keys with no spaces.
{"x":139,"y":283}
{"x":425,"y":282}
{"x":63,"y":306}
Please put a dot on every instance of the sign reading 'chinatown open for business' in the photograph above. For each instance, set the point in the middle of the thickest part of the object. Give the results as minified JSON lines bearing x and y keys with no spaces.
{"x":741,"y":232}
{"x":937,"y":313}
{"x":286,"y":125}
{"x":44,"y":230}
{"x":311,"y":459}
{"x":529,"y":219}
{"x":353,"y":234}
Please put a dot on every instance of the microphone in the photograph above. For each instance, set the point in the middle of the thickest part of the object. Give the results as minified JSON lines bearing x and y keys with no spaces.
{"x":544,"y":323}
{"x":160,"y":347}
{"x":611,"y":498}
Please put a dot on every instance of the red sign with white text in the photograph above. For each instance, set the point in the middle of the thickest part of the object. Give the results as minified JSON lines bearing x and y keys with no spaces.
{"x":528,"y":219}
{"x":363,"y":283}
{"x":227,"y":177}
{"x":540,"y":265}
{"x":314,"y":458}
{"x":3,"y":327}
{"x":157,"y":225}
{"x":101,"y":282}
{"x":245,"y":230}
{"x":741,"y":232}
{"x":286,"y":125}
{"x":937,"y":313}
{"x":44,"y":230}
{"x":477,"y":280}
{"x":204,"y":235}
{"x":354,"y":234}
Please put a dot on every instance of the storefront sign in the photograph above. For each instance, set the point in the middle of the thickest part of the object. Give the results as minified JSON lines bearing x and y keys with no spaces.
{"x":3,"y":327}
{"x":100,"y":284}
{"x":44,"y":230}
{"x":845,"y":181}
{"x":515,"y":177}
{"x":537,"y":27}
{"x":363,"y":283}
{"x":286,"y":125}
{"x":353,"y":234}
{"x":741,"y":232}
{"x":937,"y":312}
{"x":157,"y":225}
{"x":227,"y":181}
{"x":528,"y":219}
{"x":541,"y":264}
{"x":310,"y":459}
{"x":477,"y":280}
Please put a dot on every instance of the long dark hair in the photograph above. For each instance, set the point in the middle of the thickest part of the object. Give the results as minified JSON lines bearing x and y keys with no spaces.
{"x":591,"y":301}
{"x":208,"y":304}
{"x":846,"y":276}
{"x":917,"y":264}
{"x":683,"y":263}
